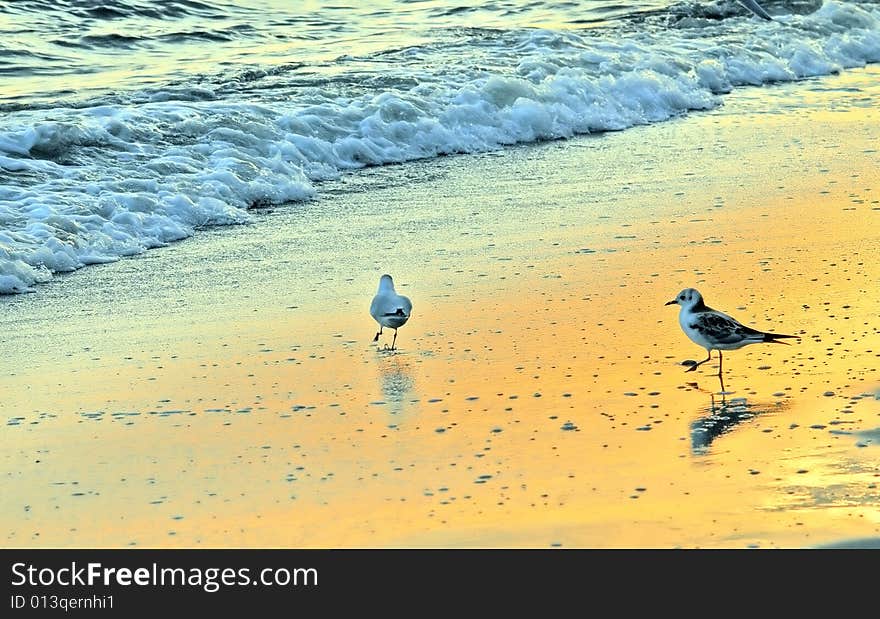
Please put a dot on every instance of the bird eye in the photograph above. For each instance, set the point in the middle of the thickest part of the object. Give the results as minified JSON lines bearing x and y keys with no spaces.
{"x":681,"y":297}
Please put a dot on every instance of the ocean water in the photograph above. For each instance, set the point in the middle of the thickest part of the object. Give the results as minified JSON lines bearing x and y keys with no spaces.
{"x":129,"y":124}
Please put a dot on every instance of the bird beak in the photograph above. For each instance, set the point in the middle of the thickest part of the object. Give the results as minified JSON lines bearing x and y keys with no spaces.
{"x":673,"y":302}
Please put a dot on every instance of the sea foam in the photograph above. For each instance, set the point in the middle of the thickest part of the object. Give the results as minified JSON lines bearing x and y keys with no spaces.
{"x":90,"y":184}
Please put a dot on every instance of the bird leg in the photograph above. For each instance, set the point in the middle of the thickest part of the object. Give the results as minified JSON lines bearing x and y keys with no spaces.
{"x":376,"y":339}
{"x":696,"y":365}
{"x":720,"y":359}
{"x":394,"y":340}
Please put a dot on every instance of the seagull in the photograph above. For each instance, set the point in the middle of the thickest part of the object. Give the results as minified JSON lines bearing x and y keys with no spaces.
{"x":714,"y":330}
{"x":756,"y":8}
{"x":389,"y":309}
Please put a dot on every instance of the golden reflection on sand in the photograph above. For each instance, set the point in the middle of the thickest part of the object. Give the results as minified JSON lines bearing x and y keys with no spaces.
{"x":576,"y":428}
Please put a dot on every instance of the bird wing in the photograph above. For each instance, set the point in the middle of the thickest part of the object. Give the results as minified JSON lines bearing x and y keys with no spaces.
{"x":723,"y":329}
{"x":377,"y":306}
{"x":405,"y":304}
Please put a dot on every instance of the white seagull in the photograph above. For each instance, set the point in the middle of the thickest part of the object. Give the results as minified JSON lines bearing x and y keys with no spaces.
{"x":714,"y":330}
{"x":755,"y":8}
{"x":389,"y":309}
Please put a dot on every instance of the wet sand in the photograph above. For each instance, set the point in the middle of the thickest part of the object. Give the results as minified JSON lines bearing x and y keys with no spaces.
{"x":224,"y":391}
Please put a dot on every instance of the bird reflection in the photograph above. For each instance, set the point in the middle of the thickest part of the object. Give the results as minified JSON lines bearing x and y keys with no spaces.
{"x":396,"y":373}
{"x":722,"y":417}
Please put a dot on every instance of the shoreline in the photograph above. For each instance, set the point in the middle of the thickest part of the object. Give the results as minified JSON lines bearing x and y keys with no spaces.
{"x":223,"y":391}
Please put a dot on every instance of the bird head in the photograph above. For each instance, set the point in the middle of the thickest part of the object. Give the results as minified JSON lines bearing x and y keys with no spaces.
{"x":386,"y":283}
{"x":689,"y":297}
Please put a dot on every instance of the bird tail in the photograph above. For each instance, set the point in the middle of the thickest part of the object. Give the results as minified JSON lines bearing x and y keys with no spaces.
{"x":774,"y":338}
{"x":756,"y":8}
